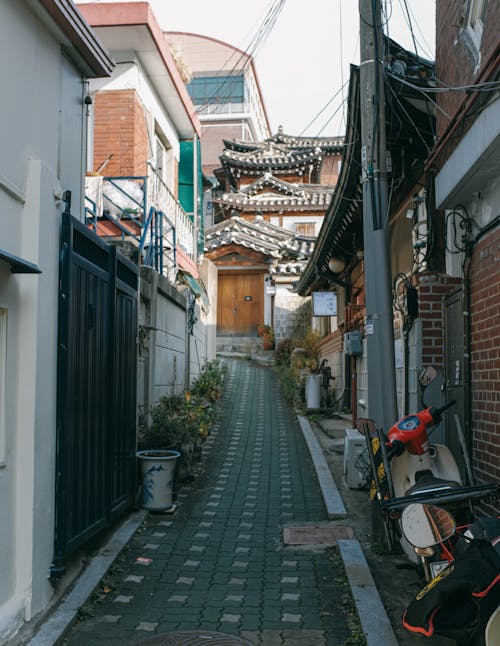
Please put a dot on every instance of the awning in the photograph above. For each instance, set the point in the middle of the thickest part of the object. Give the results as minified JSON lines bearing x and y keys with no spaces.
{"x":197,"y":289}
{"x":18,"y":265}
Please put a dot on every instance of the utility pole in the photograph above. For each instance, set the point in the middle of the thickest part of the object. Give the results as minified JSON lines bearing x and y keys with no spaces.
{"x":377,"y":259}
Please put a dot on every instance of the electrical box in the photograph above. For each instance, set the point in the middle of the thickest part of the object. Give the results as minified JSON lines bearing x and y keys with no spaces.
{"x":354,"y":445}
{"x":353,"y":343}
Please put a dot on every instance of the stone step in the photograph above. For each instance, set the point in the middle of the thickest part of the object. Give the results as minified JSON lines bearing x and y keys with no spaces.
{"x":242,"y":344}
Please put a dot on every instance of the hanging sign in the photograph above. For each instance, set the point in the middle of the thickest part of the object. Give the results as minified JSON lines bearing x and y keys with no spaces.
{"x":324,"y":303}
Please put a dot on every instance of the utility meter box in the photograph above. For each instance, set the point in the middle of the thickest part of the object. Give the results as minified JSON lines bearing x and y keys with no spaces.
{"x":354,"y":445}
{"x":353,"y":343}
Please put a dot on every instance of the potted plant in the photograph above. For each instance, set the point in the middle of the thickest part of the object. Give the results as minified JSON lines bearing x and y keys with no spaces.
{"x":268,"y":340}
{"x":164,"y":430}
{"x":157,"y":471}
{"x":173,"y":431}
{"x":262,"y":329}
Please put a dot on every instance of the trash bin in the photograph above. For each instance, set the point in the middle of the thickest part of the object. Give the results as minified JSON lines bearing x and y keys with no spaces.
{"x":313,"y":385}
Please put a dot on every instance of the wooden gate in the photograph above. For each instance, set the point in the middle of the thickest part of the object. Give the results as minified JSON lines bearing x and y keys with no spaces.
{"x":240,"y":303}
{"x":96,"y":428}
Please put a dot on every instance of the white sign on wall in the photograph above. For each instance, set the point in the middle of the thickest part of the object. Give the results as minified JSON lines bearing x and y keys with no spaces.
{"x":324,"y":303}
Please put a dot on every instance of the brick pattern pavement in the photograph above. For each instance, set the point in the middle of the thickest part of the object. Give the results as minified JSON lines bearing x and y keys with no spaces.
{"x":219,"y":562}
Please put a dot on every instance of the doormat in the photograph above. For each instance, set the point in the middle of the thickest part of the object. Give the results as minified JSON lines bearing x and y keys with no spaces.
{"x":316,"y":534}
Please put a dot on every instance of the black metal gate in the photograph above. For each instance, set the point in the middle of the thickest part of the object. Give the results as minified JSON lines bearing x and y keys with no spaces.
{"x":96,"y":429}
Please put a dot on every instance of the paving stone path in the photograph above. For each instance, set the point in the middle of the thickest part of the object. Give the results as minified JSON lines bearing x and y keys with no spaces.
{"x":219,"y":563}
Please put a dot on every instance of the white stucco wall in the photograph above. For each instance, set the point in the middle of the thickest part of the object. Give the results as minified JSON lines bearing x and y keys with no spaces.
{"x":287,"y":313}
{"x":290,"y":223}
{"x":164,"y":353}
{"x":209,"y":273}
{"x":41,"y":154}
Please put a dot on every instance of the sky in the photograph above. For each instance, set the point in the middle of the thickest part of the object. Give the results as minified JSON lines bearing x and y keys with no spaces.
{"x":305,"y":59}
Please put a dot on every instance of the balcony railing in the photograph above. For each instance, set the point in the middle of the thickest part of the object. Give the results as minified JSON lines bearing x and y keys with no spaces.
{"x":141,"y":211}
{"x":223,"y":108}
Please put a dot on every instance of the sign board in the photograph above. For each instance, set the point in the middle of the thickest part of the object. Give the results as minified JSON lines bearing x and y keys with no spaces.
{"x":324,"y":303}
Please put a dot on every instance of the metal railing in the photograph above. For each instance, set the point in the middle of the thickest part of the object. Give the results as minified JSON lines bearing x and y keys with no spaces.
{"x":143,"y":211}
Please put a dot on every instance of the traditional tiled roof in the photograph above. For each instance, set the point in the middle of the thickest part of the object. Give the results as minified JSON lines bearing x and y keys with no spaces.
{"x":327,"y":145}
{"x":409,"y":117}
{"x":290,"y":252}
{"x":273,"y":194}
{"x":280,"y":154}
{"x":272,"y":156}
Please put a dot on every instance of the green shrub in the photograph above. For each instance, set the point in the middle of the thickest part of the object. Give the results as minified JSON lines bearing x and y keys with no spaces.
{"x":175,"y":420}
{"x":284,"y":351}
{"x":308,"y":342}
{"x":210,"y":381}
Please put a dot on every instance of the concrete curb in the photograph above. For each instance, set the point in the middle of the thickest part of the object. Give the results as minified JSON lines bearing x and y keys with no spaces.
{"x":372,"y":614}
{"x":333,"y":502}
{"x":65,"y":613}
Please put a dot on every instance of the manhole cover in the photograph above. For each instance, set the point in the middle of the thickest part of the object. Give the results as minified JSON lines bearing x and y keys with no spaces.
{"x":316,"y":534}
{"x":195,"y":638}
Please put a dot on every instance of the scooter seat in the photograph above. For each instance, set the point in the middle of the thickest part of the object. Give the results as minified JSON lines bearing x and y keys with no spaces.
{"x":426,"y":482}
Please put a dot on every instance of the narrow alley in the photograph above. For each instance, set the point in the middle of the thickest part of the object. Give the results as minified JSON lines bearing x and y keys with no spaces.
{"x":219,"y":563}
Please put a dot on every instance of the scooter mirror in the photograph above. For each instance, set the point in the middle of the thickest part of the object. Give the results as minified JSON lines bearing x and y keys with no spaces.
{"x":426,"y":525}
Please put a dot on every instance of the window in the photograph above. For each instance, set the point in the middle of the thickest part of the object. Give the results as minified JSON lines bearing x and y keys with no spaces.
{"x":163,"y":160}
{"x":473,"y":28}
{"x":306,"y":228}
{"x":206,"y":90}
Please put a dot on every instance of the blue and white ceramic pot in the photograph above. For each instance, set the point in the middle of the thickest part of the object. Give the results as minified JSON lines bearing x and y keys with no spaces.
{"x":157,"y":468}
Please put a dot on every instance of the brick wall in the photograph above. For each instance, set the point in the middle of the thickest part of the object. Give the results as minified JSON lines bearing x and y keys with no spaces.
{"x":120,"y":130}
{"x":431,"y":289}
{"x":454,"y":61}
{"x":485,"y":357}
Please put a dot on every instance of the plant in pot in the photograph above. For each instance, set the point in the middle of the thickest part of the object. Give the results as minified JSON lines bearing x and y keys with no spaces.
{"x":167,"y":432}
{"x":268,"y":340}
{"x":262,"y":329}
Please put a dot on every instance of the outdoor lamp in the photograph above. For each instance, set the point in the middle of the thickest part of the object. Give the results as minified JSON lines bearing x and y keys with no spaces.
{"x":336,"y":265}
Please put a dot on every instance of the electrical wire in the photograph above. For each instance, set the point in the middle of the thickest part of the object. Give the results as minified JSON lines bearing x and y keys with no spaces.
{"x":427,"y":49}
{"x":488,"y":86}
{"x":323,"y":108}
{"x":417,"y":130}
{"x":405,"y":6}
{"x":343,"y":120}
{"x":249,"y":53}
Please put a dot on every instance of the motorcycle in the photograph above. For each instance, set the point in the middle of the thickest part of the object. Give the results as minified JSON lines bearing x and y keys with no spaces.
{"x":404,"y":468}
{"x":462,"y":600}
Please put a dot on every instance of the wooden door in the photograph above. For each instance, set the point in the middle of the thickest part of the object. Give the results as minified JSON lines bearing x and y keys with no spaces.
{"x":240,"y":303}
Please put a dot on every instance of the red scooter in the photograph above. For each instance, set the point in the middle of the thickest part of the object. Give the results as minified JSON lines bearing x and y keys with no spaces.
{"x":406,"y":468}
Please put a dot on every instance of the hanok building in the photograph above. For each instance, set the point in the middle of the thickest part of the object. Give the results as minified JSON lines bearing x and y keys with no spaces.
{"x":276,"y":194}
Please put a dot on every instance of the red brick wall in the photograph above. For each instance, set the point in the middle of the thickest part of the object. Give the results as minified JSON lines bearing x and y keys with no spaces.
{"x":485,"y":356}
{"x":431,"y":289}
{"x":454,"y":62}
{"x":120,"y":130}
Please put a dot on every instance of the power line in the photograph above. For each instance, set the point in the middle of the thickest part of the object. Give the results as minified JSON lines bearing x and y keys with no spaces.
{"x":323,"y":108}
{"x":487,"y":86}
{"x":251,"y":50}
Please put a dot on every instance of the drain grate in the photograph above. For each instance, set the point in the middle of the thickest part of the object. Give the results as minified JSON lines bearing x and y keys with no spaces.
{"x":316,"y":534}
{"x":195,"y":638}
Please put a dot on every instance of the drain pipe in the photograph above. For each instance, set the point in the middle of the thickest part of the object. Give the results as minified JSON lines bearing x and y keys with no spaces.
{"x":354,"y":391}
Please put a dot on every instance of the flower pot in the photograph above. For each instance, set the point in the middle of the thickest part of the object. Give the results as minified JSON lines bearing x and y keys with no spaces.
{"x":268,"y":342}
{"x":157,"y":468}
